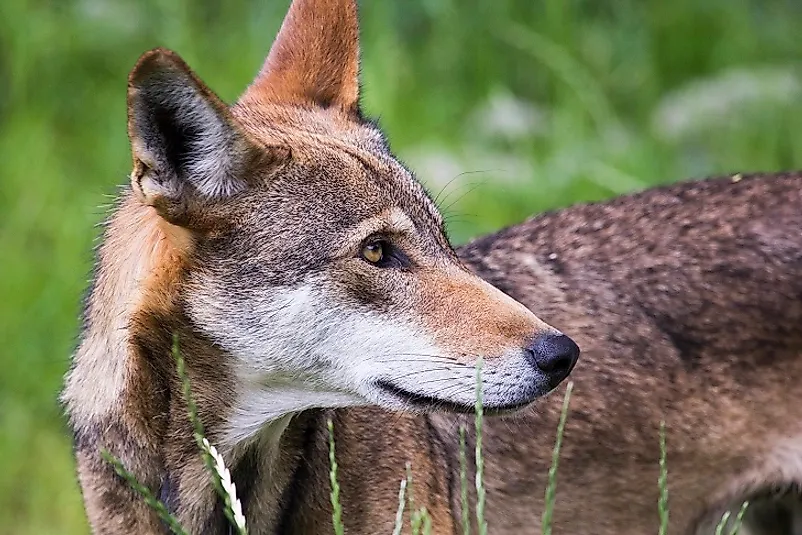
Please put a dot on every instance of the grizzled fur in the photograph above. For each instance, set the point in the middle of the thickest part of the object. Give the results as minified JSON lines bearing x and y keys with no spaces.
{"x":245,"y":232}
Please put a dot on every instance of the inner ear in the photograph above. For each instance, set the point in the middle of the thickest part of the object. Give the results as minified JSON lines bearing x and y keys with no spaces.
{"x":186,"y":146}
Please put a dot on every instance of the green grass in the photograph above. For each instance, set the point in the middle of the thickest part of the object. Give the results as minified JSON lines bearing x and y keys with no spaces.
{"x":481,"y":492}
{"x":145,"y":493}
{"x":625,"y":95}
{"x":662,"y":483}
{"x":551,"y":486}
{"x":337,"y":511}
{"x":212,"y":460}
{"x":419,"y":519}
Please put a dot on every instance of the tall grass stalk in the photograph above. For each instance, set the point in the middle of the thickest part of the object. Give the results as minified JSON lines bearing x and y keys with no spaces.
{"x":336,"y":506}
{"x":221,"y":477}
{"x":410,"y":487}
{"x":551,"y":487}
{"x":723,"y":522}
{"x":662,"y":483}
{"x":154,"y":503}
{"x":480,"y":464}
{"x":427,"y":522}
{"x":423,"y":521}
{"x":739,"y":518}
{"x":736,"y":526}
{"x":399,"y":514}
{"x":463,"y":478}
{"x":420,"y":519}
{"x":414,"y":521}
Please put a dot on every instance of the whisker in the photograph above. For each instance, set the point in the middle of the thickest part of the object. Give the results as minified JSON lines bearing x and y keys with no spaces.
{"x":452,"y":390}
{"x":412,"y":361}
{"x":414,"y":358}
{"x":403,"y":357}
{"x":463,"y":218}
{"x":473,"y":188}
{"x":436,"y":380}
{"x":429,"y":370}
{"x":437,"y":199}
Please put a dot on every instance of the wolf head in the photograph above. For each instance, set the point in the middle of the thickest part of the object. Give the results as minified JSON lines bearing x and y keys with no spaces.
{"x":316,"y":262}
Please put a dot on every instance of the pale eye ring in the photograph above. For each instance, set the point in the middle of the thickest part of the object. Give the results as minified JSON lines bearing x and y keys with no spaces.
{"x":373,"y":252}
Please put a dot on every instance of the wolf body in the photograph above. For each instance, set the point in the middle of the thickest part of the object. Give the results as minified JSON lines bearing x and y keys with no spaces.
{"x":307,"y":277}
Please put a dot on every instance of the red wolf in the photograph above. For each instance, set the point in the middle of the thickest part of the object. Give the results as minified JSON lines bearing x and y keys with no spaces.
{"x":308,"y":277}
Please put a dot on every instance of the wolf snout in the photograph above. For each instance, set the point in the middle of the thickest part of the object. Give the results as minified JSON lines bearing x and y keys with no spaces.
{"x":553,"y":354}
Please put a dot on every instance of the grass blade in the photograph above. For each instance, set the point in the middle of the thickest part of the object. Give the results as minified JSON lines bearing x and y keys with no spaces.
{"x":221,"y":477}
{"x":399,"y":514}
{"x":736,"y":526}
{"x":480,"y":465}
{"x":419,"y":519}
{"x":154,"y":503}
{"x":336,"y":506}
{"x":551,"y":488}
{"x":662,"y":483}
{"x":414,"y":521}
{"x":426,"y":521}
{"x":463,"y":478}
{"x":723,"y":522}
{"x":739,"y":518}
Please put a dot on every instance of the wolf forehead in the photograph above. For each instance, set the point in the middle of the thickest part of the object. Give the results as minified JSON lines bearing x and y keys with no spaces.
{"x":340,"y":164}
{"x":339,"y":184}
{"x":336,"y":187}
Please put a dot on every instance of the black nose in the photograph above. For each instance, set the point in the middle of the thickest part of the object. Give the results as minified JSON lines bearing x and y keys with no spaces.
{"x":555,"y":355}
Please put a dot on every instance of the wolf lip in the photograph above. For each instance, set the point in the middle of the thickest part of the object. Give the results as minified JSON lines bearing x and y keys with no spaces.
{"x":434,"y":403}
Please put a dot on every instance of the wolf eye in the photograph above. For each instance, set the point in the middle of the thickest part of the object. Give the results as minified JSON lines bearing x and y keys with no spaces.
{"x":382,"y":253}
{"x":373,"y":252}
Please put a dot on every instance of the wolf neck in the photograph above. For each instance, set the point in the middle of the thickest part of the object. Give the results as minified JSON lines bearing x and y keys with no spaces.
{"x":267,"y":469}
{"x":261,"y":409}
{"x":134,"y":258}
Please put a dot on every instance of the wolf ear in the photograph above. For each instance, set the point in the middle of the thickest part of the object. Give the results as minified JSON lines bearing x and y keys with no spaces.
{"x":315,"y":58}
{"x":186,"y":146}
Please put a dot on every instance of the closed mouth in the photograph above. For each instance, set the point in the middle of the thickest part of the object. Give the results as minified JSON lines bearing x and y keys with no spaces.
{"x":423,"y":401}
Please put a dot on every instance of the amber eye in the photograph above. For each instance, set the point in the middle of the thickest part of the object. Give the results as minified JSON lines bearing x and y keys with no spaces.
{"x":373,"y":252}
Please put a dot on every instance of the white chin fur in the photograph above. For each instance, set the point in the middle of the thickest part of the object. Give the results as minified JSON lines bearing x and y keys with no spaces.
{"x":298,"y":350}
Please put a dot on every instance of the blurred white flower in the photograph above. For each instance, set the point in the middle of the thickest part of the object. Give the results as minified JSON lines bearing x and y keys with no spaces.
{"x":709,"y":102}
{"x":450,"y":169}
{"x":508,"y":117}
{"x":111,"y":18}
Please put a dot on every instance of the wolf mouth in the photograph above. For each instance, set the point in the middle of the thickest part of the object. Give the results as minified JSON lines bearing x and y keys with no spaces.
{"x":424,"y":401}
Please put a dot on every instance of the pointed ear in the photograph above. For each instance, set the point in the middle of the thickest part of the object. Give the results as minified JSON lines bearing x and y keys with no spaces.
{"x":186,"y":146}
{"x":314,"y":59}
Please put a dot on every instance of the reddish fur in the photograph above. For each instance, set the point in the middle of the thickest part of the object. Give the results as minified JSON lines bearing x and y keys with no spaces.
{"x":314,"y":60}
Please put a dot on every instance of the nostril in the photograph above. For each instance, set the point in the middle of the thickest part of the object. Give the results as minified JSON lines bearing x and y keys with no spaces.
{"x":557,"y":364}
{"x":554,"y":354}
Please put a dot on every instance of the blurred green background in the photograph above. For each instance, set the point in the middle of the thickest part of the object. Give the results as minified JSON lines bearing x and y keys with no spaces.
{"x":509,"y":107}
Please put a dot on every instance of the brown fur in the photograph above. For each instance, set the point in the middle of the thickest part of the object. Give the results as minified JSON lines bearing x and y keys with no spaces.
{"x":686,"y":300}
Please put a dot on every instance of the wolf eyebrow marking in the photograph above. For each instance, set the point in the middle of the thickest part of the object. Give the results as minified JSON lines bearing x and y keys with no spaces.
{"x":378,"y":165}
{"x":392,"y":220}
